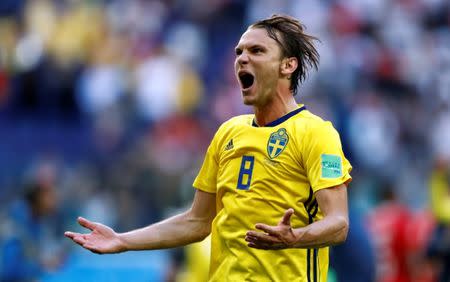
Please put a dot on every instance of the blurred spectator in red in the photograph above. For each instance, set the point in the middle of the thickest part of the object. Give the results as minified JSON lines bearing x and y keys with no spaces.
{"x":387,"y":225}
{"x":420,"y":230}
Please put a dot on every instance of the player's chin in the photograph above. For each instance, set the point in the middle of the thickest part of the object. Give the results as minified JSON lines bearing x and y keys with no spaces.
{"x":248,"y":96}
{"x":248,"y":101}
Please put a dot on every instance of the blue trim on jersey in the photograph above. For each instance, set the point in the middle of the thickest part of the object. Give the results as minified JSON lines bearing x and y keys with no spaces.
{"x":315,"y":264}
{"x":281,"y":119}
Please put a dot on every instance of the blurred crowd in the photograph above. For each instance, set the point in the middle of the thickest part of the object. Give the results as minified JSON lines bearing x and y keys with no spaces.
{"x":107,"y":108}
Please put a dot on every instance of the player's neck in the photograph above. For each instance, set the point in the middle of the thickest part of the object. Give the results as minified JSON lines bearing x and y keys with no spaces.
{"x":274,"y":110}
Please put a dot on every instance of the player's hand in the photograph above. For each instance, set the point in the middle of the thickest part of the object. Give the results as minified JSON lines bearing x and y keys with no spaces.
{"x":277,"y":237}
{"x":101,"y":240}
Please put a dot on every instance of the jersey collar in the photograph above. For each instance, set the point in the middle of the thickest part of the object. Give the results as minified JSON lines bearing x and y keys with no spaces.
{"x":281,"y":119}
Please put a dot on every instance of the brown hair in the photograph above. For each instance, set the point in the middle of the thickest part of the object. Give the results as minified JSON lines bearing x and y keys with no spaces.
{"x":294,"y":42}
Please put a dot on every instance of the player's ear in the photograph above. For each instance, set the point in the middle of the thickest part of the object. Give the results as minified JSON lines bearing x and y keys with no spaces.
{"x":289,"y":65}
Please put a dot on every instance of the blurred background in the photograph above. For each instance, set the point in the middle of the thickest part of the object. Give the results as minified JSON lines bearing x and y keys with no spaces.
{"x":107,"y":108}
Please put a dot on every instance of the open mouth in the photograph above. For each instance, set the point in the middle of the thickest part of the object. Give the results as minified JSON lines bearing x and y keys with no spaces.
{"x":246,"y":79}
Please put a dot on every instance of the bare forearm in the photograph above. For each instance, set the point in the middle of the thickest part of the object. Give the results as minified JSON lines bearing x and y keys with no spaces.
{"x":176,"y":231}
{"x":331,"y":230}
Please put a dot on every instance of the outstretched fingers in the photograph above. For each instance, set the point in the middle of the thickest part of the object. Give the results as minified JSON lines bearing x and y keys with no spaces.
{"x":70,"y":235}
{"x":272,"y":230}
{"x":262,"y":246}
{"x":286,"y":219}
{"x":258,"y":236}
{"x":82,"y":240}
{"x":262,"y":241}
{"x":78,"y":238}
{"x":86,"y":223}
{"x":273,"y":237}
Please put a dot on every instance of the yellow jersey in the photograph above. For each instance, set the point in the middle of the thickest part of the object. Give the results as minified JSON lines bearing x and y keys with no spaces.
{"x":259,"y":172}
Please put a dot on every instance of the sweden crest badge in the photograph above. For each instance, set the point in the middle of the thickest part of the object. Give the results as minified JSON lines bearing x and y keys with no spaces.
{"x":277,"y":142}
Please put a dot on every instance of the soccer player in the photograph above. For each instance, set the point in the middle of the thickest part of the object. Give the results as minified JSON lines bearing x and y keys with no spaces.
{"x":272,"y":188}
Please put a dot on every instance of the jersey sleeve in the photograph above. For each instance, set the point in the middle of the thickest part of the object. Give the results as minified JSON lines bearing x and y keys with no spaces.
{"x":324,"y":160}
{"x":206,"y":179}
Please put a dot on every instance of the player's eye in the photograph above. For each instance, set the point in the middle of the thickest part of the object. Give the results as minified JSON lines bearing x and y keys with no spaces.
{"x":238,"y":51}
{"x":257,"y":50}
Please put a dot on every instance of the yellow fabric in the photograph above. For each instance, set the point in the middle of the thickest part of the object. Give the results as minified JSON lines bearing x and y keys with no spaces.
{"x":197,"y":261}
{"x":275,"y":184}
{"x":440,"y":196}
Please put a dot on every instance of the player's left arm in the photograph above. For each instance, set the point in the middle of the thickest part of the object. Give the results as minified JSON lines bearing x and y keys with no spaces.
{"x":332,"y":229}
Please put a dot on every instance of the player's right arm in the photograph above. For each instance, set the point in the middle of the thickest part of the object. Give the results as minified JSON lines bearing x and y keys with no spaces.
{"x":182,"y":229}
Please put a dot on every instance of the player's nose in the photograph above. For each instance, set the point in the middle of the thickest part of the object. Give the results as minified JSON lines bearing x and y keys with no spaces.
{"x":242,"y":58}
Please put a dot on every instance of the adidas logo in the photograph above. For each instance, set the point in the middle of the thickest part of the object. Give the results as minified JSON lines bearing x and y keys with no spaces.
{"x":229,"y":146}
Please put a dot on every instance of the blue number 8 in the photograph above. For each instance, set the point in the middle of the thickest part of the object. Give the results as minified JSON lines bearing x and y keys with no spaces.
{"x":245,"y":173}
